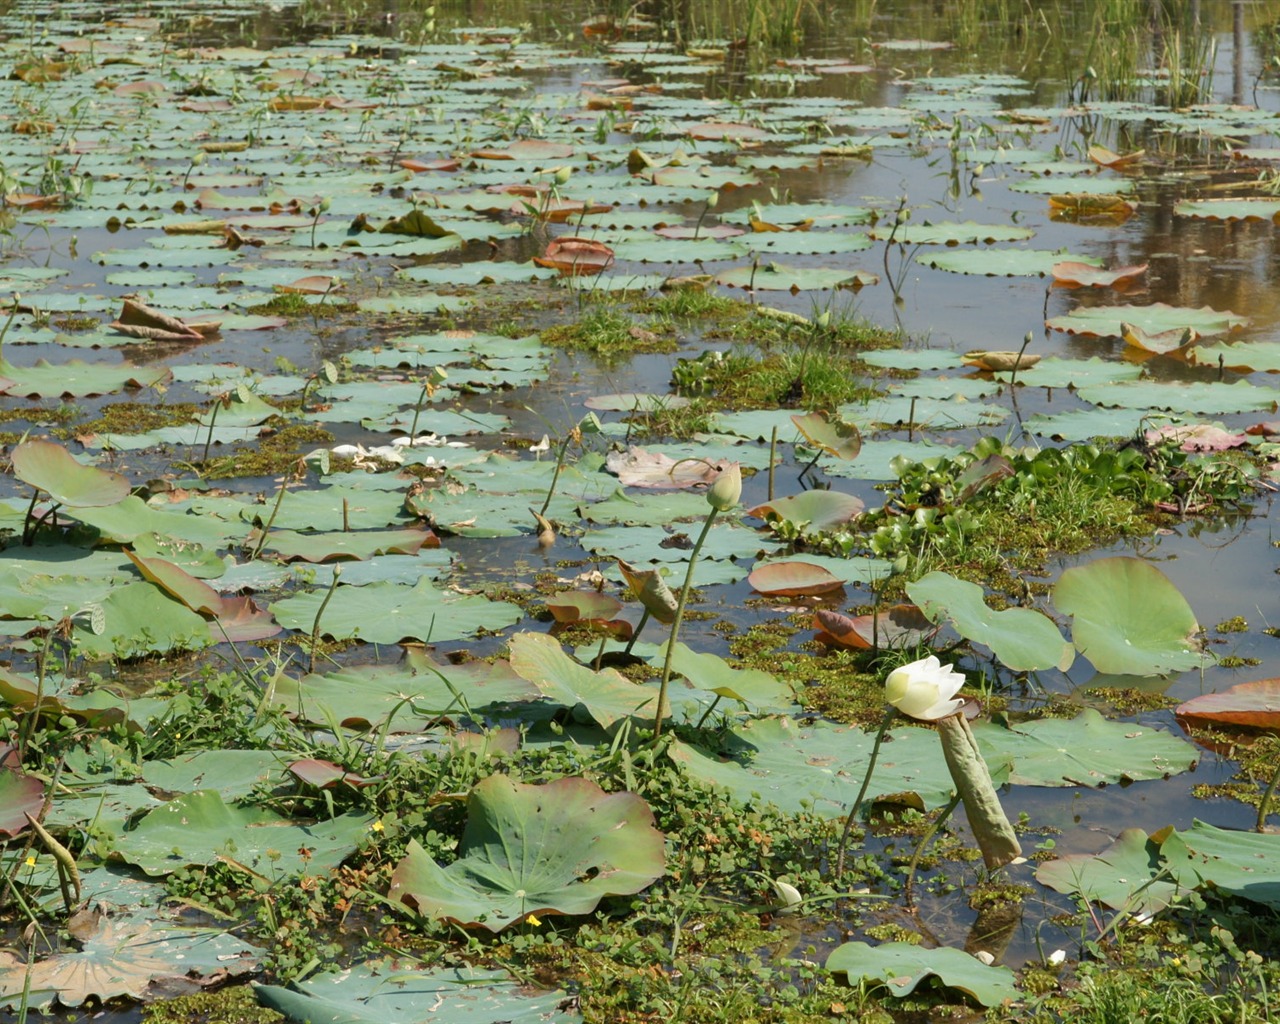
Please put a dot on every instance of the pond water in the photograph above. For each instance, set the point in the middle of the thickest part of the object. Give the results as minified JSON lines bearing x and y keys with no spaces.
{"x":206,"y":160}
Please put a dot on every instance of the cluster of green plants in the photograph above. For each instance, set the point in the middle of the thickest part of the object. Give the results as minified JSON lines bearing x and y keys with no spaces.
{"x":996,"y":502}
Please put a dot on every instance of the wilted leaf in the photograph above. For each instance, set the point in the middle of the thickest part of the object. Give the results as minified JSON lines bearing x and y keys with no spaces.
{"x":903,"y":625}
{"x":793,"y":579}
{"x":1254,"y":705}
{"x":830,"y":433}
{"x":572,"y":255}
{"x":1087,"y":275}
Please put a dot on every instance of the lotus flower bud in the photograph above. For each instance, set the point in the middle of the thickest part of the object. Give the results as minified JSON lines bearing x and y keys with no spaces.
{"x":925,"y":689}
{"x":726,"y":492}
{"x":563,"y":174}
{"x":713,"y":200}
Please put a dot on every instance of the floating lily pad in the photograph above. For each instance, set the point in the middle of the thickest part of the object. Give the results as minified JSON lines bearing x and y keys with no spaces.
{"x":1250,"y":706}
{"x":1105,"y":321}
{"x":1229,"y":209}
{"x":793,"y":578}
{"x":1002,"y":262}
{"x":1023,"y":639}
{"x":76,"y":379}
{"x":393,"y":992}
{"x":1128,"y":618}
{"x":811,"y":512}
{"x":1207,"y":397}
{"x":901,"y":966}
{"x":552,"y":849}
{"x":780,"y":277}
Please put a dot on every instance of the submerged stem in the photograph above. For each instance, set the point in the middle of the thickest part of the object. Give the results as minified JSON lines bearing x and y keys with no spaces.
{"x":930,"y":832}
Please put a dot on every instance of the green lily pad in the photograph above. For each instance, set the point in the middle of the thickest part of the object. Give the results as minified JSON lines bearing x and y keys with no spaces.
{"x":231,"y":773}
{"x":1229,"y":209}
{"x":558,"y":848}
{"x":608,"y":696}
{"x":769,"y":276}
{"x":1104,"y":321}
{"x":388,"y":613}
{"x":392,"y":992}
{"x":1023,"y":639}
{"x":1208,"y":397}
{"x":1126,"y":875}
{"x":76,"y":379}
{"x":811,"y":512}
{"x":949,"y":233}
{"x":1128,"y":618}
{"x":139,"y":619}
{"x":760,"y":690}
{"x":51,"y":468}
{"x":351,"y":544}
{"x":199,"y":828}
{"x":1002,"y":262}
{"x":901,"y":966}
{"x":1075,"y":373}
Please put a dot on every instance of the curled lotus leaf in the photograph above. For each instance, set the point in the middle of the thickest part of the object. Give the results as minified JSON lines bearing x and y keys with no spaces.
{"x":1253,"y":706}
{"x":527,"y":850}
{"x":651,"y":590}
{"x":812,"y":511}
{"x":1085,"y":275}
{"x":830,"y":433}
{"x":51,"y":468}
{"x":903,"y":625}
{"x":793,"y":579}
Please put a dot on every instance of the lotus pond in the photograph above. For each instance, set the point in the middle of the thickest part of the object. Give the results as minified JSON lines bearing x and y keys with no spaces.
{"x":470,"y":470}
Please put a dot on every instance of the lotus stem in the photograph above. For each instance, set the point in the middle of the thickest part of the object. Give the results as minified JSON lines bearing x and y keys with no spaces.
{"x":995,"y":836}
{"x":773,"y":449}
{"x":1017,"y":364}
{"x":13,"y":312}
{"x":889,"y":716}
{"x":1265,"y":805}
{"x":417,"y":410}
{"x":706,"y":714}
{"x":675,"y":625}
{"x":635,"y":633}
{"x":555,"y":476}
{"x":275,"y":510}
{"x":208,"y":437}
{"x":315,"y":626}
{"x":930,"y":832}
{"x":68,"y":875}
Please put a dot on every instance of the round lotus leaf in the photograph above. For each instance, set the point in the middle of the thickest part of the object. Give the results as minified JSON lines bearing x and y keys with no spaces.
{"x":51,"y":468}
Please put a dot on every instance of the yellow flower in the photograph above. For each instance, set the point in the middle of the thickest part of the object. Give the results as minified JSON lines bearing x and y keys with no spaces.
{"x":534,"y":920}
{"x":31,"y":862}
{"x":376,"y":827}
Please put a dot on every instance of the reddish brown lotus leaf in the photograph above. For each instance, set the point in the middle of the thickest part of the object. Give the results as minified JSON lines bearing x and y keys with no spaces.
{"x":1104,"y":157}
{"x":573,"y":255}
{"x":1177,"y":342}
{"x":1254,"y":705}
{"x":139,"y":320}
{"x":583,"y":606}
{"x":527,"y":149}
{"x":325,"y":774}
{"x":1268,"y":428}
{"x":793,"y":579}
{"x":903,"y":625}
{"x":243,"y":621}
{"x":32,"y":126}
{"x":1069,"y":273}
{"x":316,"y":284}
{"x":1198,"y":437}
{"x":297,"y":103}
{"x":419,"y":166}
{"x":30,"y":201}
{"x":20,"y":795}
{"x":148,"y":88}
{"x":601,"y":26}
{"x":714,"y":131}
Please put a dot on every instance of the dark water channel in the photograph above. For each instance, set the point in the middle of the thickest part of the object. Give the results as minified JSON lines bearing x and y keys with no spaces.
{"x":946,"y":171}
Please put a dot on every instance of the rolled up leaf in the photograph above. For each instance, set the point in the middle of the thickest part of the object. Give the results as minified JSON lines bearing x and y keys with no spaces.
{"x":995,"y":836}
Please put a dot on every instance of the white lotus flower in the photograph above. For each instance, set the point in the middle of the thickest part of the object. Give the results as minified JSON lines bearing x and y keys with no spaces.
{"x":924,"y":689}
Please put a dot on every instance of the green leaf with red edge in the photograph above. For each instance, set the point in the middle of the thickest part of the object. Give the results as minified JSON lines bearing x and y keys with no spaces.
{"x":51,"y":468}
{"x":20,"y":795}
{"x":812,"y":511}
{"x":830,"y":433}
{"x":793,"y":579}
{"x":583,"y":606}
{"x":1105,"y":321}
{"x":1254,"y":705}
{"x":356,"y":545}
{"x":195,"y":594}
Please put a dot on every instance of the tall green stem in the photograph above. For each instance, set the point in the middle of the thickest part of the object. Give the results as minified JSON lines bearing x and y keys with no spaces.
{"x":932,"y":831}
{"x":675,"y":625}
{"x":866,"y":782}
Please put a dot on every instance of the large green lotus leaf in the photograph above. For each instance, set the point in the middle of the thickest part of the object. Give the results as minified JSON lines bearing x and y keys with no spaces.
{"x":965,"y":389}
{"x":411,"y":695}
{"x":1076,"y":373}
{"x":387,"y":613}
{"x":803,"y":243}
{"x":949,"y":233}
{"x":199,"y":828}
{"x":391,"y":992}
{"x":238,"y":410}
{"x":666,"y":250}
{"x":1083,"y":424}
{"x":1128,"y":875}
{"x":500,"y":474}
{"x":1002,"y":262}
{"x":473,"y":513}
{"x":432,"y":563}
{"x":1229,"y":209}
{"x":812,"y":512}
{"x":648,"y":544}
{"x":770,"y":276}
{"x":898,"y":411}
{"x":821,"y":214}
{"x":1206,"y":397}
{"x":352,"y":544}
{"x":51,"y":468}
{"x":1104,"y":321}
{"x":124,"y":957}
{"x":608,"y":695}
{"x":480,"y":272}
{"x":913,"y":358}
{"x":1128,"y":618}
{"x":77,"y":379}
{"x":1252,"y":357}
{"x":1023,"y":639}
{"x":650,"y":508}
{"x":231,"y":773}
{"x":901,"y":966}
{"x":1086,"y":750}
{"x":761,"y":690}
{"x":126,"y":521}
{"x":1245,"y":864}
{"x":817,"y":768}
{"x":140,"y":619}
{"x":1053,"y":185}
{"x":200,"y":562}
{"x":332,"y":508}
{"x":556,"y":848}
